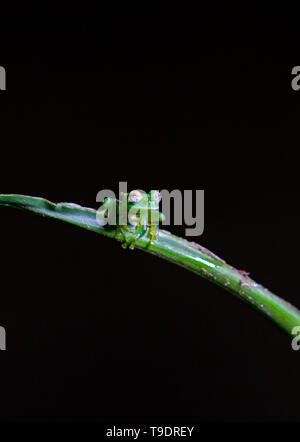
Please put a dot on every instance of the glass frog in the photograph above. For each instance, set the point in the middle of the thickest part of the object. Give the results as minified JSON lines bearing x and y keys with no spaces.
{"x":137,"y":214}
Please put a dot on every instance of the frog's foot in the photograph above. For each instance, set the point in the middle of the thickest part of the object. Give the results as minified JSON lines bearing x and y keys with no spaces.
{"x":127,"y":243}
{"x":153,"y":234}
{"x":132,"y":245}
{"x":126,"y":240}
{"x":120,"y":236}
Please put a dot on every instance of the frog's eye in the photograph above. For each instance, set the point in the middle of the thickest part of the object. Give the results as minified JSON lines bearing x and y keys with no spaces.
{"x":156,"y":196}
{"x":135,"y":196}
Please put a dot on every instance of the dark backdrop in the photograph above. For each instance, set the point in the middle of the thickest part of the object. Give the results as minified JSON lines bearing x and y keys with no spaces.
{"x":160,"y":97}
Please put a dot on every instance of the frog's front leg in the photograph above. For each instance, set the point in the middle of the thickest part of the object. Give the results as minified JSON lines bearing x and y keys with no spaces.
{"x":121,"y":236}
{"x":124,"y":234}
{"x":151,"y":232}
{"x":129,"y":236}
{"x":139,"y":231}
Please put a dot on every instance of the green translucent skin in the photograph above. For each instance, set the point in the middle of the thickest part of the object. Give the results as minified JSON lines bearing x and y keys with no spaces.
{"x":142,"y":216}
{"x":190,"y":255}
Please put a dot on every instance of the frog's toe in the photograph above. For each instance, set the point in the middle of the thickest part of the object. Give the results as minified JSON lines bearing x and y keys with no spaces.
{"x":132,"y":245}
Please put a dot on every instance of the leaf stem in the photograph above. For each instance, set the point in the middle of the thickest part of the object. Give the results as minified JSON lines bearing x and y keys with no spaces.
{"x":186,"y":254}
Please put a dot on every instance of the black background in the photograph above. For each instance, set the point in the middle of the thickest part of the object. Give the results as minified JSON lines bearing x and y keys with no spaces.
{"x":161,"y":97}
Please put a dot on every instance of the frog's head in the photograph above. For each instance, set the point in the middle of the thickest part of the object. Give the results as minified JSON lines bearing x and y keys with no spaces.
{"x":143,"y":205}
{"x":138,"y":198}
{"x":141,"y":199}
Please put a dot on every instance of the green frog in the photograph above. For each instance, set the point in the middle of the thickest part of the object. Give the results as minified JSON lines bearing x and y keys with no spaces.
{"x":136,"y":214}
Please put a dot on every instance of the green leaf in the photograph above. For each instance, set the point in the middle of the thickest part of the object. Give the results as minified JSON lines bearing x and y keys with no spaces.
{"x":186,"y":254}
